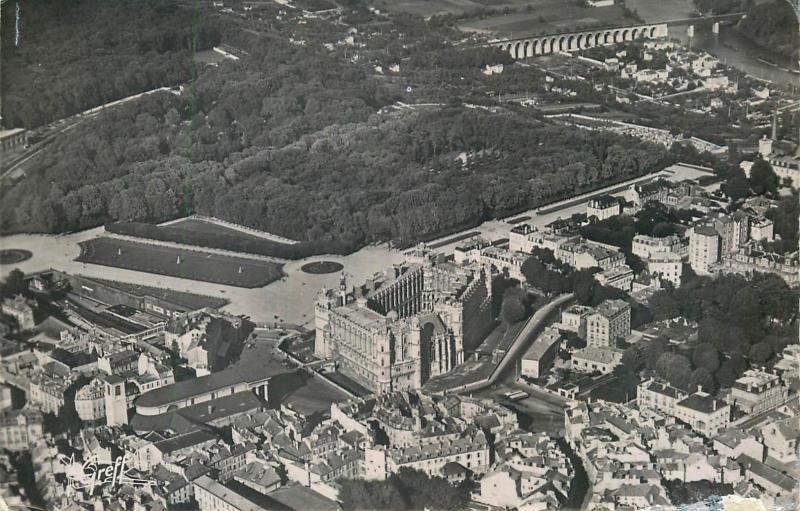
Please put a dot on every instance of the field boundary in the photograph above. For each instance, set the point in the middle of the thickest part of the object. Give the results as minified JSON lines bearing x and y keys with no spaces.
{"x":195,"y":248}
{"x":271,"y":270}
{"x":236,"y":227}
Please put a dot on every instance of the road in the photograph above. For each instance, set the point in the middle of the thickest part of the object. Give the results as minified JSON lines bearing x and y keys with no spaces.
{"x":51,"y":131}
{"x":540,"y":412}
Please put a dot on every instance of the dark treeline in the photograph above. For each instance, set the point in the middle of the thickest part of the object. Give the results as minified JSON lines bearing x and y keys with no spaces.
{"x":289,"y":140}
{"x":773,"y":26}
{"x":72,"y":56}
{"x":743,"y":322}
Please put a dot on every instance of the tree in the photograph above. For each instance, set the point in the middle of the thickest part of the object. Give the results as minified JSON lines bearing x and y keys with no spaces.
{"x":726,"y":375}
{"x":633,"y":358}
{"x":674,"y":368}
{"x":434,"y":493}
{"x":357,"y":495}
{"x":14,"y":283}
{"x":736,"y":187}
{"x":760,"y":353}
{"x":655,"y":349}
{"x":515,"y":305}
{"x":702,"y":378}
{"x":763,"y":179}
{"x":706,"y":357}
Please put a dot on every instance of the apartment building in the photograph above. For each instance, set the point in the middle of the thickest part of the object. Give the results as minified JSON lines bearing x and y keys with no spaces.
{"x":609,"y":323}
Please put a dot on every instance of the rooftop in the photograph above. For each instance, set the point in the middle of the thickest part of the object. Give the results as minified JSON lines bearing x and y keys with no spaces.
{"x":542,"y":344}
{"x":603,"y":355}
{"x":702,"y":402}
{"x":184,"y":441}
{"x":256,"y":364}
{"x":755,"y":378}
{"x":611,"y":308}
{"x":226,"y":494}
{"x":664,"y":257}
{"x":664,"y":389}
{"x":705,"y":230}
{"x":187,"y":419}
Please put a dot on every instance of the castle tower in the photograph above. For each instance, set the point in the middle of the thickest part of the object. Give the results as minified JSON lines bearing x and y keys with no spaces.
{"x":343,"y":289}
{"x":116,"y":401}
{"x":775,"y":124}
{"x":415,"y":353}
{"x":321,"y":317}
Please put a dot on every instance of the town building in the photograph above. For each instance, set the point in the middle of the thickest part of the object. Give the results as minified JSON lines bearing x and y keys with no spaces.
{"x":90,"y":401}
{"x":478,"y":250}
{"x":524,"y":237}
{"x":756,"y":391}
{"x":704,"y":249}
{"x":620,"y":277}
{"x":505,"y":261}
{"x":660,"y":396}
{"x":540,"y":356}
{"x":13,"y":139}
{"x":781,"y":439}
{"x":641,"y":194}
{"x":752,"y":259}
{"x":214,"y":496}
{"x":788,"y":366}
{"x":667,"y":265}
{"x":703,"y":413}
{"x":21,"y":310}
{"x":574,"y":319}
{"x":6,"y":401}
{"x":603,"y":207}
{"x":786,"y":167}
{"x":20,"y":429}
{"x":584,"y":255}
{"x":644,"y":246}
{"x":116,"y":400}
{"x":47,"y":393}
{"x":762,"y":229}
{"x":415,"y":321}
{"x":250,"y":375}
{"x":610,"y":322}
{"x":602,"y":359}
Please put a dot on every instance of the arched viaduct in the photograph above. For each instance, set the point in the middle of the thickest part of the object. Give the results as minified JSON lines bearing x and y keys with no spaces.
{"x":546,"y":44}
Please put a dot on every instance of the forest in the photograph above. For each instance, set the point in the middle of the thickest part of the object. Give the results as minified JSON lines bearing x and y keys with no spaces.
{"x":68,"y":57}
{"x":773,"y":26}
{"x":742,"y":323}
{"x":296,"y":140}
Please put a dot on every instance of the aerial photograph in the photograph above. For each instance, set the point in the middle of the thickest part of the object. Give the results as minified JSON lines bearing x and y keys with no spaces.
{"x":399,"y":255}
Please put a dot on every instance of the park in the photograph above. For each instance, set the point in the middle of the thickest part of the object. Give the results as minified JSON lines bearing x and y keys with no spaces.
{"x":183,"y":263}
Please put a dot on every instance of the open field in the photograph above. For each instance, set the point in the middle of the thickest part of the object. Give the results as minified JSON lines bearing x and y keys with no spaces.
{"x":507,"y":17}
{"x":193,"y":265}
{"x":202,"y":233}
{"x":550,"y":18}
{"x":194,"y":226}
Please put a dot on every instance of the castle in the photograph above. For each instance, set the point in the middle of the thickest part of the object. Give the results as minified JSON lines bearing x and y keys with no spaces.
{"x":405,"y":325}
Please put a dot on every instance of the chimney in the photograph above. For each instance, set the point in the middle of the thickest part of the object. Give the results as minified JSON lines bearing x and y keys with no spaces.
{"x":775,"y":124}
{"x":210,"y":409}
{"x":715,"y":404}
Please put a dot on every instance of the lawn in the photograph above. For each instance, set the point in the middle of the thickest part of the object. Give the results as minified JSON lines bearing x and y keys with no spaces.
{"x":187,"y":264}
{"x":197,"y":232}
{"x":548,"y":17}
{"x":194,"y":226}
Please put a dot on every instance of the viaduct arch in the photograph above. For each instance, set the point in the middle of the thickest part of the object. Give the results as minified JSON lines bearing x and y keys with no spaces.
{"x":546,"y":44}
